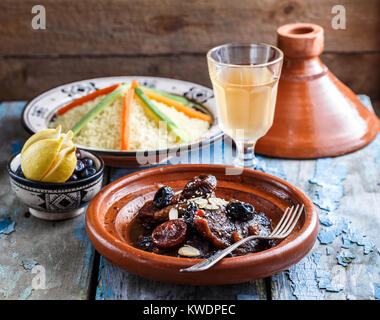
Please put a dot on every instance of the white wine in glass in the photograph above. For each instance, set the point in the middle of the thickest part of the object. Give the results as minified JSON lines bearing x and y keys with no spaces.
{"x":245,"y":80}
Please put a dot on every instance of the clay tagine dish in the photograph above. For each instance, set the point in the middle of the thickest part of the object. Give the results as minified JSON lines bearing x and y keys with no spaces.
{"x":127,"y":202}
{"x":316,"y":114}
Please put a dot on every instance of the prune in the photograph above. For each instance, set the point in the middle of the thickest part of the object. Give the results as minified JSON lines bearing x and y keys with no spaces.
{"x":88,"y":162}
{"x":200,"y":186}
{"x":188,"y":215}
{"x":169,"y":234}
{"x":78,"y":154}
{"x":163,"y":196}
{"x":238,"y":210}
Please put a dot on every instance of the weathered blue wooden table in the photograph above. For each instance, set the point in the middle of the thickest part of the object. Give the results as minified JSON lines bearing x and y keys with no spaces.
{"x":55,"y":260}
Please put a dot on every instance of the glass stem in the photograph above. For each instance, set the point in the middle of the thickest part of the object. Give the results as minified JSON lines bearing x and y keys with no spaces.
{"x":246,"y":155}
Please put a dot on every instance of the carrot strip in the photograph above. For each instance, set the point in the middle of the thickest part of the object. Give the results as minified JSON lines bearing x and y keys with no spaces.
{"x":125,"y":124}
{"x":86,"y":98}
{"x":107,"y":100}
{"x":190,"y":112}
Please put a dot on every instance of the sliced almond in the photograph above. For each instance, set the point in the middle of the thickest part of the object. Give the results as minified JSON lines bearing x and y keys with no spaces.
{"x":201,"y":202}
{"x":218,"y":202}
{"x":211,"y":207}
{"x":173,"y":214}
{"x":188,"y":251}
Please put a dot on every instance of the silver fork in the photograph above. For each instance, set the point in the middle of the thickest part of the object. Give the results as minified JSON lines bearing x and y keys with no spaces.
{"x":286,"y":225}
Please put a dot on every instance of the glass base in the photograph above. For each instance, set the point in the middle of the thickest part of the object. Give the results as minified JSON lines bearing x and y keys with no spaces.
{"x":245,"y":155}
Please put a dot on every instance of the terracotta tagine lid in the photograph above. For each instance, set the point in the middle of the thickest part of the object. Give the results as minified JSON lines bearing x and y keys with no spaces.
{"x":316,"y":114}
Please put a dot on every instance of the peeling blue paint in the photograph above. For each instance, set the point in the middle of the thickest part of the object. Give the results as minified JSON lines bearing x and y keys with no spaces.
{"x":275,"y":168}
{"x":11,"y":109}
{"x":329,"y":173}
{"x":7,"y":226}
{"x":346,"y":242}
{"x":329,"y":176}
{"x":353,"y":235}
{"x":334,"y":287}
{"x":325,"y":219}
{"x":376,"y":287}
{"x":345,"y":258}
{"x":9,"y":279}
{"x":323,"y":277}
{"x":28,"y":264}
{"x":16,"y":147}
{"x":372,"y":162}
{"x":81,"y":234}
{"x":304,"y":279}
{"x":246,"y":297}
{"x":337,"y":225}
{"x":369,"y":246}
{"x":26,"y":294}
{"x":326,"y":236}
{"x":328,"y":197}
{"x":328,"y":251}
{"x":99,"y":292}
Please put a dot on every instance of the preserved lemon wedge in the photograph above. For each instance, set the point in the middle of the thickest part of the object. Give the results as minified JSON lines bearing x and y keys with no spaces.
{"x":44,"y":134}
{"x":49,"y":156}
{"x":63,"y":167}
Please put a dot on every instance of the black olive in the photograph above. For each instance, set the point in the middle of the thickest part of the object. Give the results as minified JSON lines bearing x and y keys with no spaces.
{"x":88,"y":172}
{"x":80,"y":166}
{"x":145,"y":242}
{"x":238,"y":210}
{"x":188,"y":216}
{"x":88,"y":162}
{"x":73,"y":177}
{"x":162,"y":197}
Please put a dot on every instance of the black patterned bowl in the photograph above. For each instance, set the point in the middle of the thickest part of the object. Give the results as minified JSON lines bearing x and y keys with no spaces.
{"x":56,"y":201}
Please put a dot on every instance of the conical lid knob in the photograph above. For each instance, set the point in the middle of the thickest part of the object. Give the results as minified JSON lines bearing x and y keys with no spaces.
{"x":316,"y":114}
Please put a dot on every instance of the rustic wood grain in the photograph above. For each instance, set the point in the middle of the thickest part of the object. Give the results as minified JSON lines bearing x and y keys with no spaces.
{"x":169,"y":38}
{"x":358,"y":205}
{"x":24,"y":78}
{"x":149,"y":27}
{"x":117,"y":284}
{"x":61,"y":248}
{"x":347,"y":186}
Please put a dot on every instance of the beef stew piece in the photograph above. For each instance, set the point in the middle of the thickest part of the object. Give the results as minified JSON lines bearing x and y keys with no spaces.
{"x":216,"y":227}
{"x":197,"y":219}
{"x":199,"y":186}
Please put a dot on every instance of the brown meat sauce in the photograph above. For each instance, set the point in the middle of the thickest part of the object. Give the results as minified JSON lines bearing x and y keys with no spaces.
{"x":200,"y":226}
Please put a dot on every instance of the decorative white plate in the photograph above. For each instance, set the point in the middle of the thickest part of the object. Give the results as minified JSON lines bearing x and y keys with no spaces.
{"x":40,"y":111}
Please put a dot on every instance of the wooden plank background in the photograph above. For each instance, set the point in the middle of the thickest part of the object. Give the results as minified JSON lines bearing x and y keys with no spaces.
{"x":61,"y":248}
{"x":169,"y":38}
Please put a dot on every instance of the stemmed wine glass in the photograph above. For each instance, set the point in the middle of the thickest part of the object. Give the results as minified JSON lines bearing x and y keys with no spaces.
{"x":245,"y":79}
